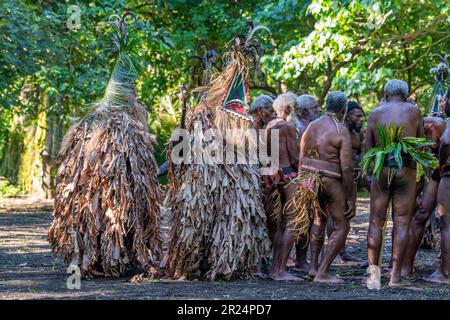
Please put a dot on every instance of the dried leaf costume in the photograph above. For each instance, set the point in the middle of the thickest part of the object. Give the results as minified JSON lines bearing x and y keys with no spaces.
{"x":307,"y":199}
{"x":106,"y":216}
{"x":218,"y":224}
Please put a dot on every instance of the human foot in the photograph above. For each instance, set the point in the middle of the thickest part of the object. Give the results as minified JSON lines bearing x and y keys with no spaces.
{"x":327,"y":279}
{"x":285,"y":276}
{"x":437,"y":277}
{"x":398,"y":283}
{"x":312,"y":271}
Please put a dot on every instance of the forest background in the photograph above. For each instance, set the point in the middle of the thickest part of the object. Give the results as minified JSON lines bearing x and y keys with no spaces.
{"x":55,"y":58}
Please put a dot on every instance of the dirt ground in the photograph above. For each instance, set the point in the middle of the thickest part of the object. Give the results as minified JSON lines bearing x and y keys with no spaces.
{"x":29,"y":271}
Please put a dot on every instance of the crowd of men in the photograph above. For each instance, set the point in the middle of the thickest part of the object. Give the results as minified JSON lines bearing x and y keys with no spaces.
{"x":338,"y":142}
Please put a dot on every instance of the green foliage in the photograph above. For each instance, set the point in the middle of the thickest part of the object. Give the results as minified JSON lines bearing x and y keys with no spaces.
{"x":7,"y":190}
{"x":393,"y":144}
{"x":316,"y":46}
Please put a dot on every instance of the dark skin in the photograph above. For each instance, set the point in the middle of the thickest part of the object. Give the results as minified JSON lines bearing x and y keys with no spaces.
{"x":353,"y":122}
{"x":308,"y":114}
{"x":333,"y":147}
{"x":434,"y":128}
{"x":288,"y":157}
{"x":442,"y":274}
{"x":402,"y":191}
{"x":311,"y":113}
{"x":261,"y":117}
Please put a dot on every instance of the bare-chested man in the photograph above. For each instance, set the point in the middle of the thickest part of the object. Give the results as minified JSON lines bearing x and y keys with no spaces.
{"x":308,"y":110}
{"x":329,"y":140}
{"x":442,"y":274}
{"x":288,"y":153}
{"x":262,"y":112}
{"x":402,"y":190}
{"x":434,"y":127}
{"x":353,"y":121}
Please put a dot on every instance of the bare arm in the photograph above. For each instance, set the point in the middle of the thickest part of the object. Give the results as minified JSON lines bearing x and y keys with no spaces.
{"x":370,"y":139}
{"x":345,"y":158}
{"x":292,"y":145}
{"x":304,"y":146}
{"x":420,"y":131}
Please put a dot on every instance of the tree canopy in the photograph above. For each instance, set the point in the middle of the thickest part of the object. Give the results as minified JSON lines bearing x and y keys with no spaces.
{"x":315,"y":46}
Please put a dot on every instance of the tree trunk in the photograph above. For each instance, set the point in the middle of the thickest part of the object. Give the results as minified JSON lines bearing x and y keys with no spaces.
{"x":13,"y":148}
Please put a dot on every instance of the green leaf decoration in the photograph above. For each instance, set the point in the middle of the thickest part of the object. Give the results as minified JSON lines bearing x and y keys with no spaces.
{"x":392,"y":144}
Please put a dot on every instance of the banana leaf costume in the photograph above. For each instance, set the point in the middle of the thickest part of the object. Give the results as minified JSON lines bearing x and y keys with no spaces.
{"x":218,"y":223}
{"x":106,"y":218}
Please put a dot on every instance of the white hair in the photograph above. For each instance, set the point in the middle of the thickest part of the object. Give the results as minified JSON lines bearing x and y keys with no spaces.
{"x":396,"y":87}
{"x":305,"y":101}
{"x":283,"y":101}
{"x":263,"y":101}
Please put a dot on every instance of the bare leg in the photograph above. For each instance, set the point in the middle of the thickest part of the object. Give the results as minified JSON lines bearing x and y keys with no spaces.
{"x":442,"y":274}
{"x":379,"y":201}
{"x":418,"y":224}
{"x":339,"y":259}
{"x":317,"y":238}
{"x":283,"y":241}
{"x":301,"y":250}
{"x":336,"y":206}
{"x":404,"y":186}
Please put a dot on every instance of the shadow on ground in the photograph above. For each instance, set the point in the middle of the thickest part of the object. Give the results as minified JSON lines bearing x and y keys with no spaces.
{"x":28,"y":270}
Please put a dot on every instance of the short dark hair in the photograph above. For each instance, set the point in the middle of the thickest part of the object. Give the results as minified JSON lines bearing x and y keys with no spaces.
{"x":336,"y":101}
{"x":396,"y":87}
{"x":352,"y":105}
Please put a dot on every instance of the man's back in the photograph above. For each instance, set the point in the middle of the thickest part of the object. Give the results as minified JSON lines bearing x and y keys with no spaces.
{"x":402,"y":114}
{"x":288,"y":144}
{"x":326,"y":135}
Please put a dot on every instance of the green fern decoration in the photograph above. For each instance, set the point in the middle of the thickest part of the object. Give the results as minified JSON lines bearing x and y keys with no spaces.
{"x":392,"y":143}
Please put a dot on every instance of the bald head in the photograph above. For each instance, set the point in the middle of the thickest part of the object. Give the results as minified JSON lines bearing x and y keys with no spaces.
{"x":396,"y":88}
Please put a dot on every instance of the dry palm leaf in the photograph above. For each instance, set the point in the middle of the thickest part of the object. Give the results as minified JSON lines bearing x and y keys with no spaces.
{"x":305,"y":202}
{"x":106,"y":216}
{"x":218,"y":224}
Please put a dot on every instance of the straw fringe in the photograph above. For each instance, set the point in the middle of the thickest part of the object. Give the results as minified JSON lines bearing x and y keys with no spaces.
{"x":106,"y":218}
{"x":305,"y":202}
{"x":218,"y":224}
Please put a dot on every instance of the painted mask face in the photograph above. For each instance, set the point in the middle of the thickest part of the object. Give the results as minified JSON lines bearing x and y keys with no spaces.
{"x":237,"y":98}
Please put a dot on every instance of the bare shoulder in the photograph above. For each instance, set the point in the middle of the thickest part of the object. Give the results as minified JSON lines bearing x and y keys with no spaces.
{"x":345,"y":133}
{"x":282,"y":125}
{"x":414,"y":108}
{"x":377,"y":111}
